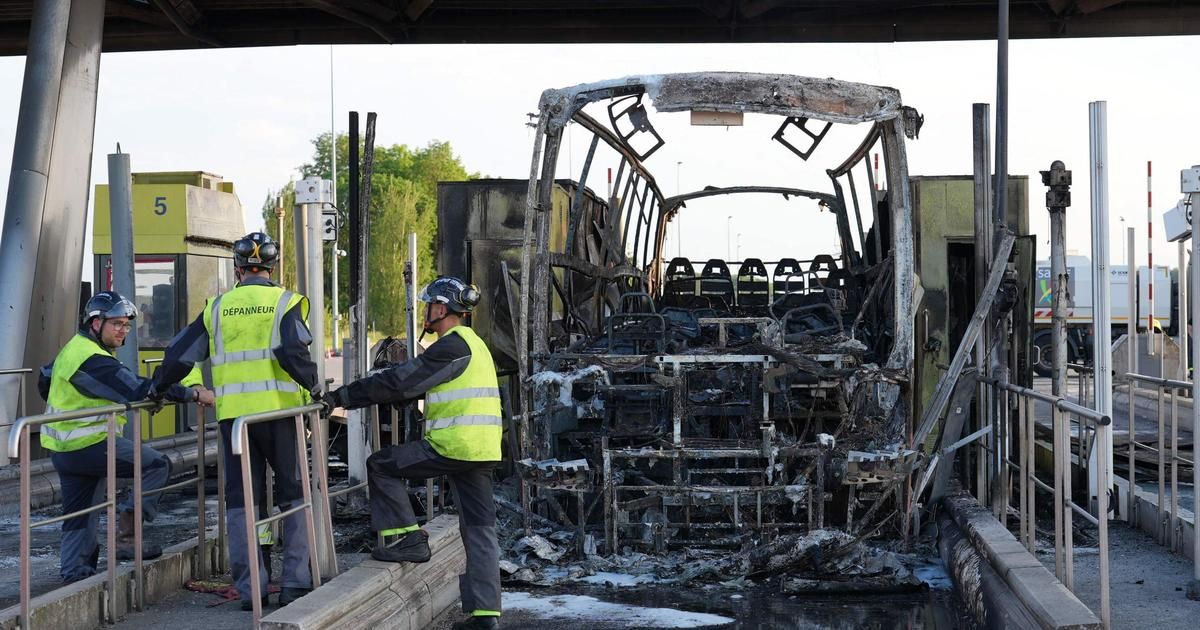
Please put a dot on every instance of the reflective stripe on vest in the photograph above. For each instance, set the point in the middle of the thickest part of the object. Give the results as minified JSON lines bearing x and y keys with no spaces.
{"x":261,"y":386}
{"x":459,"y":421}
{"x":54,"y":433}
{"x":463,"y":419}
{"x":73,"y":435}
{"x":245,"y":355}
{"x":243,"y":336}
{"x":459,"y":394}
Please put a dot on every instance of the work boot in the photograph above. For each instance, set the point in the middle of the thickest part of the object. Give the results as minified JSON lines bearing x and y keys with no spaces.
{"x":477,"y":623}
{"x":289,"y":594}
{"x":412,"y":547}
{"x":125,"y":548}
{"x":248,"y":605}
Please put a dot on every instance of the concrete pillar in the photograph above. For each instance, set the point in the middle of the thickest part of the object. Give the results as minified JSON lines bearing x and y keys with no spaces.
{"x":41,"y":250}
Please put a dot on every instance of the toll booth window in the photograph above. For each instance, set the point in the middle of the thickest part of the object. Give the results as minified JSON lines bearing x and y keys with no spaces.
{"x":207,"y":276}
{"x":155,"y":296}
{"x":156,"y":300}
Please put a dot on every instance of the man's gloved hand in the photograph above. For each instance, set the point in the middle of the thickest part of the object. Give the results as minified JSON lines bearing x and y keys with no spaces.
{"x":319,"y":398}
{"x":337,"y":398}
{"x":158,"y":399}
{"x":328,"y":400}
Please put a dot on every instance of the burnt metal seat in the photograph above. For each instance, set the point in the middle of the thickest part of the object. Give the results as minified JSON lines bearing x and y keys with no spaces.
{"x":787,"y":278}
{"x":819,"y":270}
{"x":753,"y":286}
{"x":716,"y":284}
{"x":679,"y":283}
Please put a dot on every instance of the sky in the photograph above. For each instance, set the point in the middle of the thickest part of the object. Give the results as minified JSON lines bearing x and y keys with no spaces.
{"x":250,"y":115}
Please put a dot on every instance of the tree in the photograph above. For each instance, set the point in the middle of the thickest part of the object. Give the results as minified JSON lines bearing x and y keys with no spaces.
{"x":403,"y":199}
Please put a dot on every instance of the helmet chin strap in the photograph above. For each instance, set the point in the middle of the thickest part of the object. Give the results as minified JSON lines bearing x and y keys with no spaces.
{"x":428,"y":329}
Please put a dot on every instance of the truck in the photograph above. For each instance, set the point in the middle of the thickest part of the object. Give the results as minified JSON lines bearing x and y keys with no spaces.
{"x":1080,"y":307}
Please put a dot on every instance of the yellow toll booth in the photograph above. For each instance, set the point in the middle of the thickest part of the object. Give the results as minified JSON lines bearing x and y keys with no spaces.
{"x":184,"y":225}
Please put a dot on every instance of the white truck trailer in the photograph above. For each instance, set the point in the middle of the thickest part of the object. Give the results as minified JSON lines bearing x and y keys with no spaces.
{"x":1079,"y":309}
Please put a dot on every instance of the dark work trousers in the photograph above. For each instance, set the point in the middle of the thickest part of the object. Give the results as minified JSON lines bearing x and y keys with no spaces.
{"x":390,"y":509}
{"x":82,"y":474}
{"x":271,"y":443}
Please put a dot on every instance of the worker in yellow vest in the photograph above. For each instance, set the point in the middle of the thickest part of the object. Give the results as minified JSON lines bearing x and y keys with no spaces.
{"x":85,"y":374}
{"x":463,"y":428}
{"x":256,"y":341}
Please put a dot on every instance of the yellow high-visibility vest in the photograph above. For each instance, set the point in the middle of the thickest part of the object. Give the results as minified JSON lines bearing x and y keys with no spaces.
{"x":462,"y":416}
{"x":73,"y":435}
{"x":243,"y":331}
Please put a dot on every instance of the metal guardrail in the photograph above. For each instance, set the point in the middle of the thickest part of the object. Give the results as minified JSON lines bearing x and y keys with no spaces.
{"x":18,"y":448}
{"x":1170,"y":527}
{"x":1065,"y":507}
{"x":20,"y":386}
{"x":1086,"y":382}
{"x":239,"y":438}
{"x":201,"y":433}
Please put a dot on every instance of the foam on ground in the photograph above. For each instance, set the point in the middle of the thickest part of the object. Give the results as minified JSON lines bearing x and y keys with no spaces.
{"x":582,"y":607}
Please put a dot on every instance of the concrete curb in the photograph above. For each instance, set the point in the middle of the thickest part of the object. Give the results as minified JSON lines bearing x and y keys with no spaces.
{"x":1158,"y":522}
{"x":384,"y":594}
{"x":83,"y":604}
{"x":1046,"y":599}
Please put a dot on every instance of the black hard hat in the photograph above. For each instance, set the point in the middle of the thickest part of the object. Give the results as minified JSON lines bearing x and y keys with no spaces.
{"x":107,"y":305}
{"x":458,"y":296}
{"x":255,"y":250}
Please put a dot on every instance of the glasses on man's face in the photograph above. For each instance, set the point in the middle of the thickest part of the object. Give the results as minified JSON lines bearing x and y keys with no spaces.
{"x":121,"y":326}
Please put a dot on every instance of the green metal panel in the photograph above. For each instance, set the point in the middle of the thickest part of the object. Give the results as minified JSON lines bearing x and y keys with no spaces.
{"x":944,"y":214}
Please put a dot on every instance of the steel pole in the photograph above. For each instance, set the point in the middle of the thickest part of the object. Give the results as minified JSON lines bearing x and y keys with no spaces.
{"x":1131,"y":359}
{"x":120,"y":201}
{"x":333,"y":290}
{"x":999,"y":347}
{"x":315,"y":287}
{"x":1182,"y":324}
{"x":299,"y":239}
{"x":1150,"y":266}
{"x":1000,"y":209}
{"x":333,"y":297}
{"x":982,"y":167}
{"x":411,"y":294}
{"x":1058,"y":274}
{"x":1193,"y":591}
{"x":1100,"y":472}
{"x":315,"y":291}
{"x":1102,"y":313}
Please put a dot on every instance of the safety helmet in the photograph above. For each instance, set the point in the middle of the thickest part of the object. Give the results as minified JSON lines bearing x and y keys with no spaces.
{"x":255,"y":250}
{"x":107,"y":305}
{"x":458,"y":296}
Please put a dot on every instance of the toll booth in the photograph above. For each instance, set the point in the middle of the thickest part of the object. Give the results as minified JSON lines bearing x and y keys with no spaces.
{"x":944,"y":260}
{"x":184,"y":226}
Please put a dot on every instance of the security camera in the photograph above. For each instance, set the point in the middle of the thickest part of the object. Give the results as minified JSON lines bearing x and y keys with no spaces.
{"x":1177,"y":222}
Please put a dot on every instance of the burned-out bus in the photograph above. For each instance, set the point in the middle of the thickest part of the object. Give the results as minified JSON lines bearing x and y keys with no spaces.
{"x":684,"y":401}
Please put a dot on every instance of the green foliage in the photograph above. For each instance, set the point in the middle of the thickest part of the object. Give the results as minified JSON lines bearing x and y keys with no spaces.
{"x":403,"y":199}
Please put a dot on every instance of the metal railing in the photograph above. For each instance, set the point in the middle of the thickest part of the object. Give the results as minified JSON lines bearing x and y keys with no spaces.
{"x":1062,"y":410}
{"x":201,"y":435}
{"x":1085,"y":382}
{"x":239,"y":439}
{"x":18,"y":448}
{"x":1169,"y":529}
{"x":20,"y":386}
